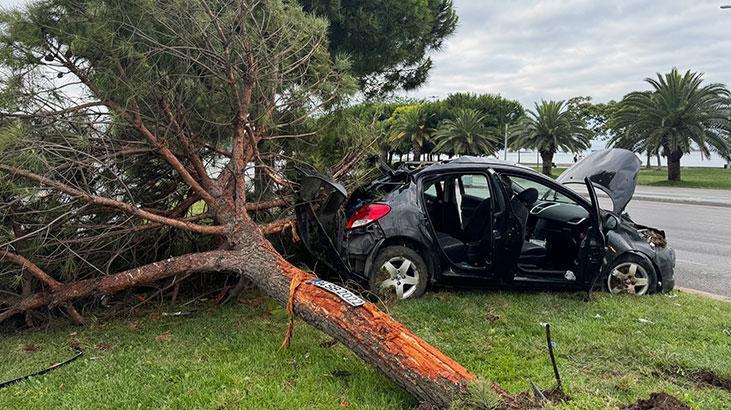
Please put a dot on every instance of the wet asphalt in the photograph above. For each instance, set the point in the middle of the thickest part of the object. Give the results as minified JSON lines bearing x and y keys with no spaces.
{"x":701,"y":237}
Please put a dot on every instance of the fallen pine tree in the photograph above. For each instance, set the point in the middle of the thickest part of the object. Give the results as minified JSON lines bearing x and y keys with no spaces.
{"x":132,"y":129}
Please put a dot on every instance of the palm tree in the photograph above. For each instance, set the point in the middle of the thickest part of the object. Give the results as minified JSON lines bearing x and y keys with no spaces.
{"x":550,"y":127}
{"x":675,"y":115}
{"x":409,"y":124}
{"x":466,"y":134}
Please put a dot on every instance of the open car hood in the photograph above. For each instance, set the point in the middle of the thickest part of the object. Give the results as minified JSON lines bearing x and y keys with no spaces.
{"x":614,"y":171}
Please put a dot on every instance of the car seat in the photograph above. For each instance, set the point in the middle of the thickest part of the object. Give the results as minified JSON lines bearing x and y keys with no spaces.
{"x":531,"y":253}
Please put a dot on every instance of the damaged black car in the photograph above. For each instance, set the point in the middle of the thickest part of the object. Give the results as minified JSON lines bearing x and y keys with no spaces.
{"x":484,"y":222}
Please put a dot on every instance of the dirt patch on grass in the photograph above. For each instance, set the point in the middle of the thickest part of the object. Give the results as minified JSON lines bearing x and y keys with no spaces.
{"x":707,"y":377}
{"x":30,"y":348}
{"x":529,"y":400}
{"x":658,"y":401}
{"x":491,"y":316}
{"x":701,"y":377}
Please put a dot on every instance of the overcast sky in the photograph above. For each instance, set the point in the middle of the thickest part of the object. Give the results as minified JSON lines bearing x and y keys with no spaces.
{"x":532,"y":50}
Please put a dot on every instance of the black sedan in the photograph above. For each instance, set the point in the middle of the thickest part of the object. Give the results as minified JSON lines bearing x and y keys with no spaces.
{"x":481,"y":221}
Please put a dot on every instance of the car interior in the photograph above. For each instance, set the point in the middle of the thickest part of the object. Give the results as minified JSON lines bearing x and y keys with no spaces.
{"x":460,"y":209}
{"x":554,"y":226}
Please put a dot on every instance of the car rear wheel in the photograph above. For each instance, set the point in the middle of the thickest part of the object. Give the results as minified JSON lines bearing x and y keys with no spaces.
{"x":398,"y":273}
{"x":630,"y":274}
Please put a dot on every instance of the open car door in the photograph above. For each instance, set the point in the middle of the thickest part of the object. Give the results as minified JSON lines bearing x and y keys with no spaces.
{"x":321,"y":219}
{"x":593,"y":248}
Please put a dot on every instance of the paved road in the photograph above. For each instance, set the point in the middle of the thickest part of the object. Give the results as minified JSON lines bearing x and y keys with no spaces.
{"x":701,"y":236}
{"x":719,"y":197}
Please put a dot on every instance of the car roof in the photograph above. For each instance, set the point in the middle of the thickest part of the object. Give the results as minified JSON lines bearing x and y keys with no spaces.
{"x":471,"y":162}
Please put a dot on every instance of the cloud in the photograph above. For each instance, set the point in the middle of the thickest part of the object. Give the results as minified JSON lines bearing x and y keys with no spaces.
{"x":557,"y":49}
{"x":533,"y":50}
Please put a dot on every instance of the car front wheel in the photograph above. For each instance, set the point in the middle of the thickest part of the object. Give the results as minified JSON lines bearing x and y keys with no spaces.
{"x":398,"y":273}
{"x":630,"y":274}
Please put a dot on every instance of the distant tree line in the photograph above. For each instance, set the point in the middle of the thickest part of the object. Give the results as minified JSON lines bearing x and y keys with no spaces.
{"x":677,"y":115}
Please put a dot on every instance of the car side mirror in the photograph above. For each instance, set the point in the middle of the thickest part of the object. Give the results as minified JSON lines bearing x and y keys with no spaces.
{"x":611,"y":222}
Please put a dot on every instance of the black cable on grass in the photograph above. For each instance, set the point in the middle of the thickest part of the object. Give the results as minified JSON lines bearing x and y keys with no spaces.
{"x":553,"y":359}
{"x":593,"y":285}
{"x":78,"y":354}
{"x":539,"y":394}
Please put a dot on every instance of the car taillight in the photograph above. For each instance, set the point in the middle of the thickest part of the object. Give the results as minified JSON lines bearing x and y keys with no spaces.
{"x":367,"y":214}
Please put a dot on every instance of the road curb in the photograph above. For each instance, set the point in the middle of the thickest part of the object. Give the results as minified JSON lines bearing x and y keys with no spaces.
{"x":706,"y":294}
{"x":650,"y":198}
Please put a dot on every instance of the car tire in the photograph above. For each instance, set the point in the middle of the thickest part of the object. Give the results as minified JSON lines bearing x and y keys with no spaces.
{"x":398,"y":272}
{"x":630,"y":274}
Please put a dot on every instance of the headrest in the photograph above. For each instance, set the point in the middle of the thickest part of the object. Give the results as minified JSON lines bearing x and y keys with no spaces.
{"x":528,"y":196}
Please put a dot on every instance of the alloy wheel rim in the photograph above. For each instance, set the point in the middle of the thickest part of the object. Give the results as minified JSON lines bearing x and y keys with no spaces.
{"x":628,"y":277}
{"x":401,"y":276}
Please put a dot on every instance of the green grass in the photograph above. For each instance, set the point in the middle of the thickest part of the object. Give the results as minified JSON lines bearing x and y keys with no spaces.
{"x":712,"y":178}
{"x":716,"y":178}
{"x":229,"y":357}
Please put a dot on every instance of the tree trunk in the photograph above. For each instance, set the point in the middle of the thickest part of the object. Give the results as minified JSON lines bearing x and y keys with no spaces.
{"x":674,"y":165}
{"x":649,"y":156}
{"x":547,"y":158}
{"x":417,"y":153}
{"x":384,"y":154}
{"x":659,"y":162}
{"x":372,"y":335}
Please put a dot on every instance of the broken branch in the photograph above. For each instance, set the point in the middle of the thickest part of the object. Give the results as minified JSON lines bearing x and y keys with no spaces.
{"x":122,"y":206}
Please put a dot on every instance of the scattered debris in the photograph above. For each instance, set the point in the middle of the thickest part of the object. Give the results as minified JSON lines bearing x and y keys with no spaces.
{"x":179,"y":313}
{"x":103,"y":346}
{"x":597,"y":316}
{"x":528,"y":400}
{"x":340,"y":373}
{"x":44,"y":371}
{"x":329,"y":343}
{"x":658,"y":401}
{"x":221,"y":296}
{"x":491,"y":316}
{"x":288,"y":384}
{"x":164,"y":337}
{"x":649,"y":322}
{"x":30,"y":348}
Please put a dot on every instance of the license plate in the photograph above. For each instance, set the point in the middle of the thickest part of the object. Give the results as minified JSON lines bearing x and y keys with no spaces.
{"x":349,"y":297}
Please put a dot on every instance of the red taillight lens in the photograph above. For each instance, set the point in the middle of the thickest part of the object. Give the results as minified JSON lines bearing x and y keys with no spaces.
{"x":367,"y":214}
